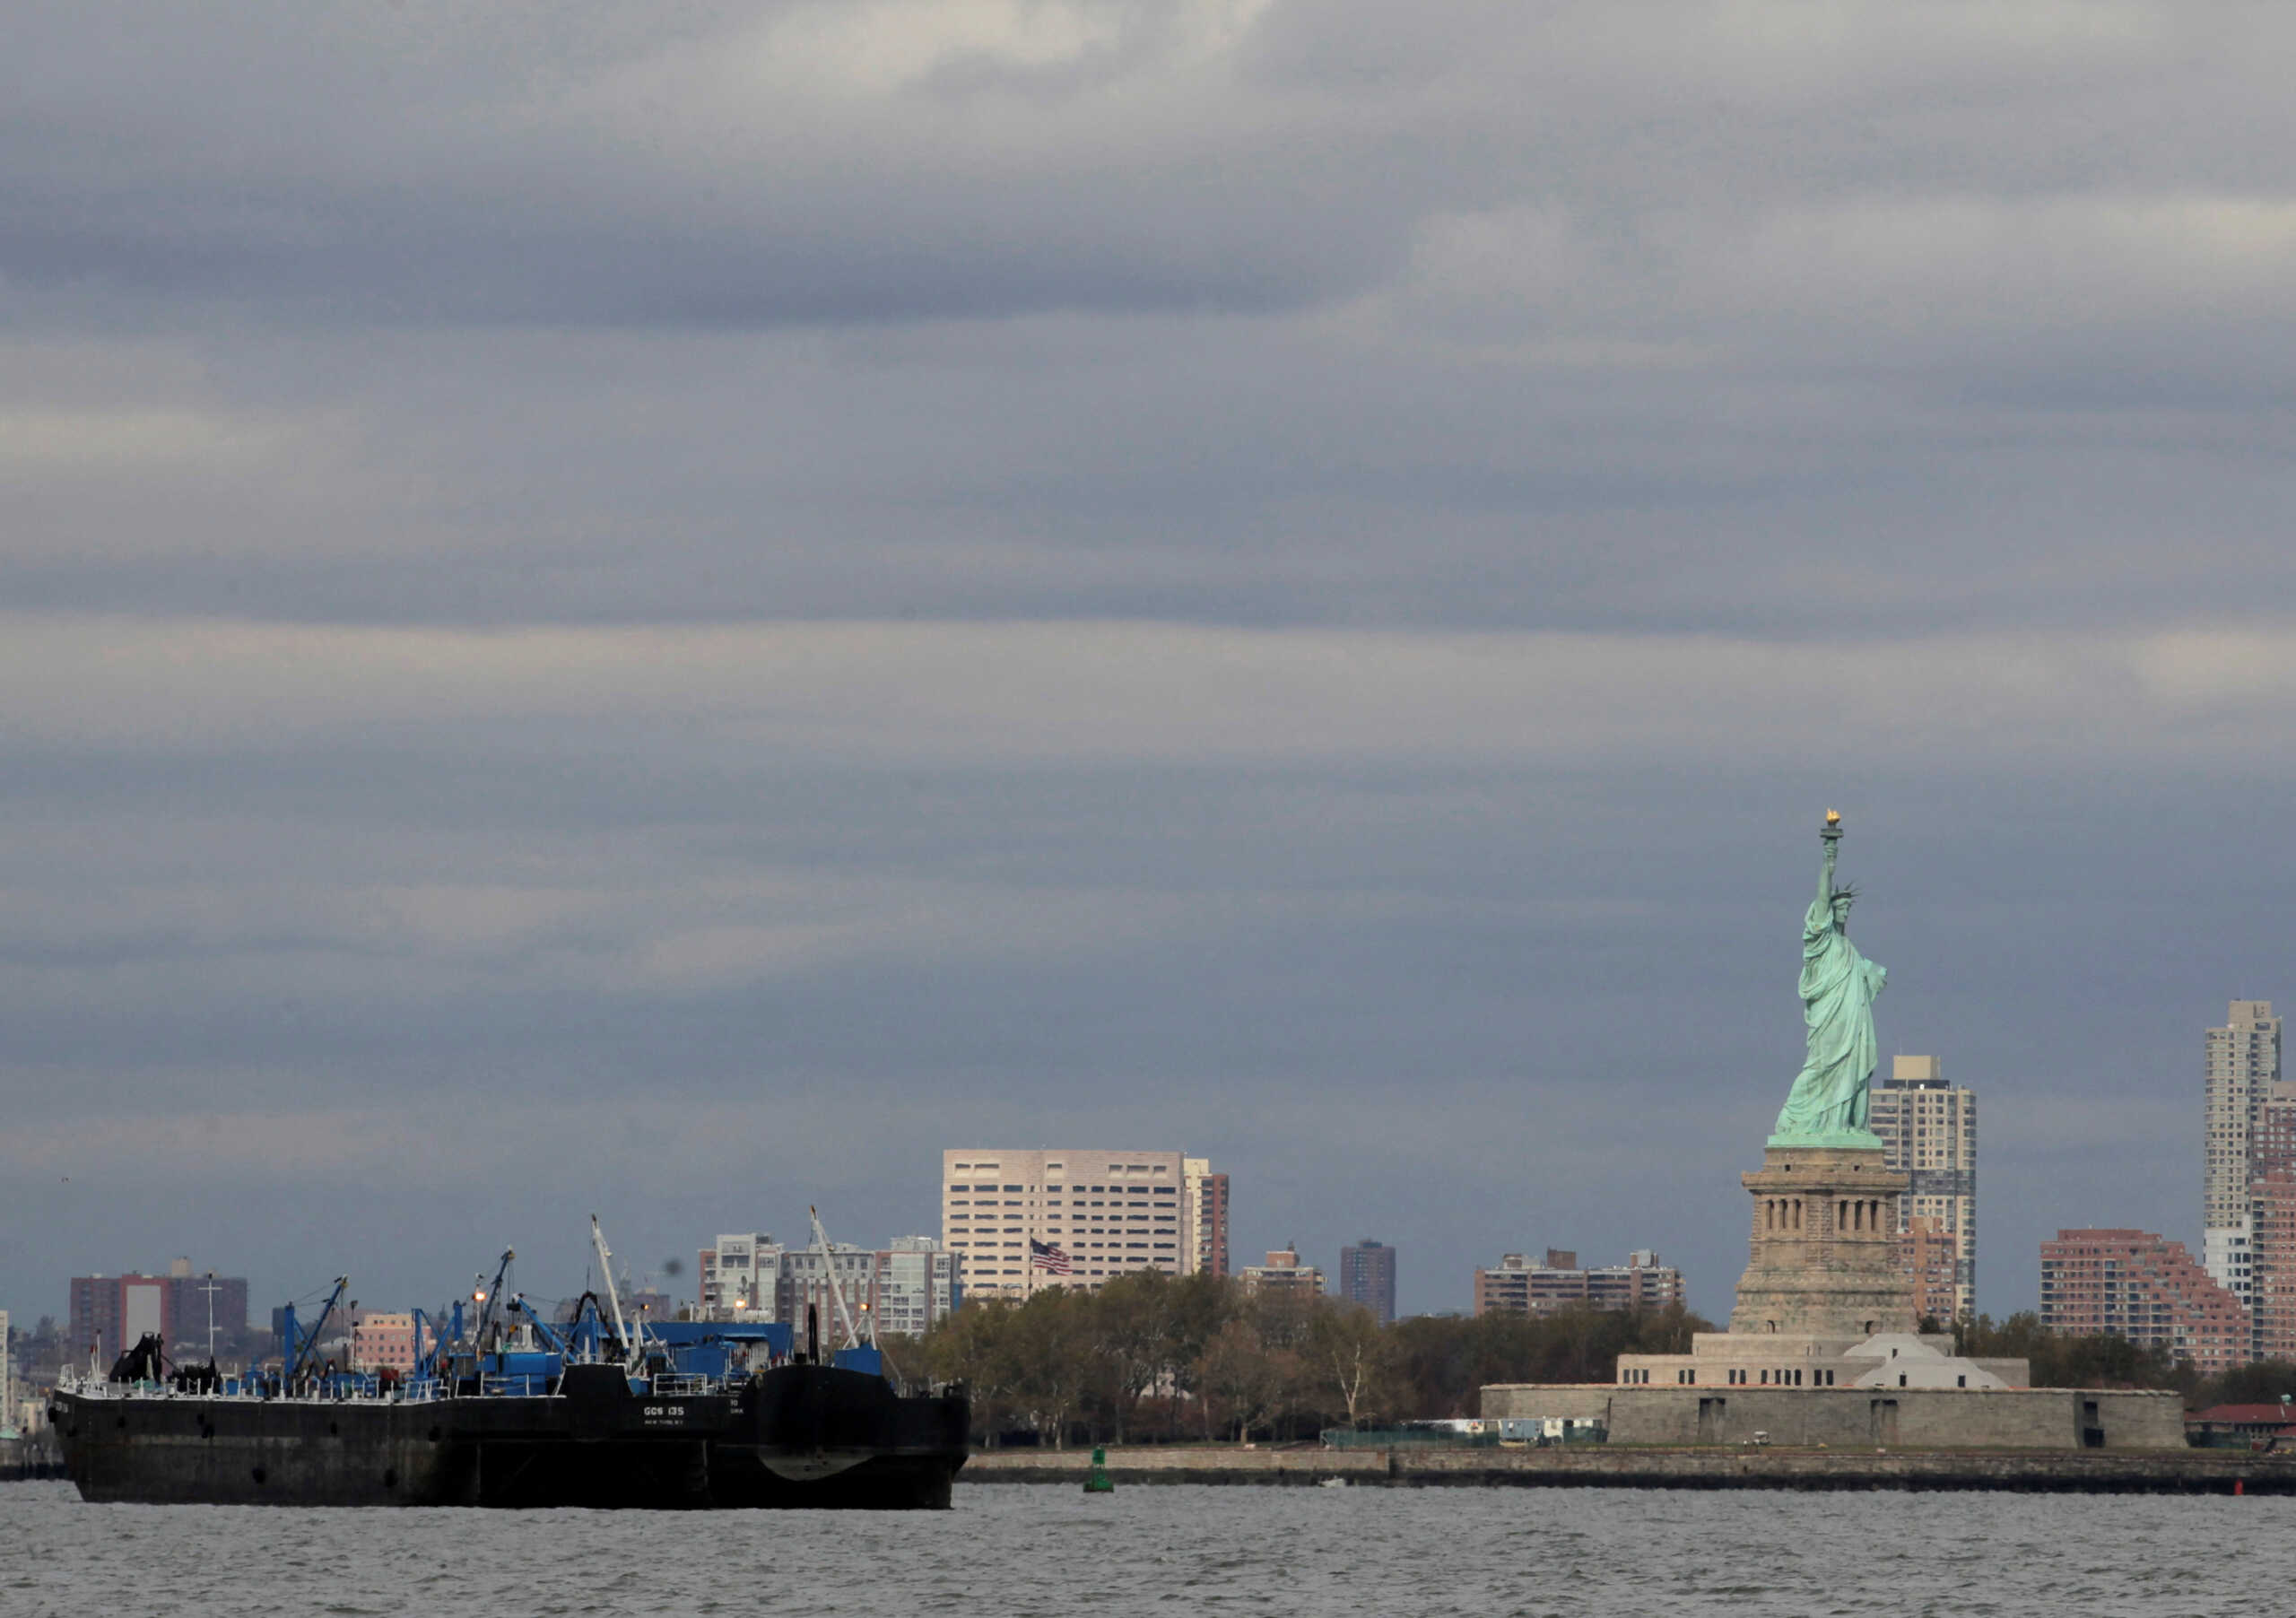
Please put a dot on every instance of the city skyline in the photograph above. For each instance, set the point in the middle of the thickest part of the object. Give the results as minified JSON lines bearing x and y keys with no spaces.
{"x":1906,"y":1071}
{"x":1949,"y":1141}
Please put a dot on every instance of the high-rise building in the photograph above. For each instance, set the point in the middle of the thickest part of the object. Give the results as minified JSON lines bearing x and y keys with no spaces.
{"x":109,"y":1313}
{"x":1640,"y":1282}
{"x":1021,"y":1221}
{"x":806,"y":1283}
{"x":1927,"y":1252}
{"x":1283,"y":1272}
{"x":1517,"y":1286}
{"x":740,"y":1278}
{"x":382,"y":1341}
{"x":2243,"y":1063}
{"x":2272,"y":1293}
{"x":1928,"y":1130}
{"x":917,"y":1286}
{"x":1204,"y":1219}
{"x":902,"y":1287}
{"x":2272,"y":1225}
{"x":2137,"y":1285}
{"x":1367,"y":1276}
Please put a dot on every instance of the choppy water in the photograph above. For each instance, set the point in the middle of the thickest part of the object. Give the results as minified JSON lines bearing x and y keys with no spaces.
{"x":1046,"y":1550}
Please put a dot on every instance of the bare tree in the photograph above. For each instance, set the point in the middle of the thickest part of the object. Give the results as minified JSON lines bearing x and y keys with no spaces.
{"x":1352,"y":1355}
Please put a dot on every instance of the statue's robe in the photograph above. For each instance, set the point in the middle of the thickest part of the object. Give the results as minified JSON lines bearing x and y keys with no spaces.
{"x":1838,"y":986}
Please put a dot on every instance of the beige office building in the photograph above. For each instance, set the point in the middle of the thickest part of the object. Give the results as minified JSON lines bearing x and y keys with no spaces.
{"x":1928,"y":1130}
{"x":1018,"y":1222}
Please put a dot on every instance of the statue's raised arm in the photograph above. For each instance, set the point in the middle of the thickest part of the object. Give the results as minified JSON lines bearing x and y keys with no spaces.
{"x":1827,"y":1105}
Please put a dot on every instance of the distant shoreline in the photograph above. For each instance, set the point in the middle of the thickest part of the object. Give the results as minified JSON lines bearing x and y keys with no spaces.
{"x":2081,"y":1472}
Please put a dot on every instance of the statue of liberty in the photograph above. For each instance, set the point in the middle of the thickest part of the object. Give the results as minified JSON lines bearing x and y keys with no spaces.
{"x":1827,"y":1105}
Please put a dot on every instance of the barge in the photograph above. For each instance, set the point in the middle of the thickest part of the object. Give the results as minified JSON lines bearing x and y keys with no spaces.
{"x":519,"y":1412}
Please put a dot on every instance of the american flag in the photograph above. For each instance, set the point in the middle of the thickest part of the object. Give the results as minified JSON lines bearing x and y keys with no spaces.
{"x":1049,"y":1259}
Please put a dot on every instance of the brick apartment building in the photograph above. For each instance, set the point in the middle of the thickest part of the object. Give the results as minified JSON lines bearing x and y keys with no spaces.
{"x":109,"y":1313}
{"x":2141,"y":1286}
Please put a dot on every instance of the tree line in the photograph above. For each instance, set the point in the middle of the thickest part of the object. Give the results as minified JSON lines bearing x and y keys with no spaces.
{"x":2106,"y":1361}
{"x":1150,"y":1357}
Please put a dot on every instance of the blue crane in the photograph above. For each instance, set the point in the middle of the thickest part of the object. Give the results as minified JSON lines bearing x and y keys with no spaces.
{"x":298,"y":1353}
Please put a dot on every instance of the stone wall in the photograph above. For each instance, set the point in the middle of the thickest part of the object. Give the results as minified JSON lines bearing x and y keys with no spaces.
{"x":1578,"y":1401}
{"x":2046,"y":1418}
{"x":1600,"y":1465}
{"x":1824,"y":1254}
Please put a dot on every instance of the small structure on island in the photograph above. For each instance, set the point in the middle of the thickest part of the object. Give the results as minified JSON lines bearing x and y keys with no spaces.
{"x":1824,"y":1346}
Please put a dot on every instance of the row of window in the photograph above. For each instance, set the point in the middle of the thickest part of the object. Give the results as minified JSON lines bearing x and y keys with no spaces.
{"x":1080,"y":1221}
{"x":1160,"y":1247}
{"x":977,"y":1186}
{"x":1742,"y":1377}
{"x":1137,"y":1202}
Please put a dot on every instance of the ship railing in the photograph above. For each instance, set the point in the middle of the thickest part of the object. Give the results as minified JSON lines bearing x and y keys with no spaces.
{"x":421,"y":1390}
{"x":515,"y":1386}
{"x":679,"y":1383}
{"x":345,"y":1390}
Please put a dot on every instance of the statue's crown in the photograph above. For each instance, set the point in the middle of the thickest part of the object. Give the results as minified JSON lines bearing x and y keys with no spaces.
{"x":1847,"y":891}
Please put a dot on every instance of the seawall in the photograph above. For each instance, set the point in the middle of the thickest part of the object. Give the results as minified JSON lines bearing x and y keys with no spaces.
{"x":29,"y":1457}
{"x":1858,"y":1418}
{"x":1604,"y":1467}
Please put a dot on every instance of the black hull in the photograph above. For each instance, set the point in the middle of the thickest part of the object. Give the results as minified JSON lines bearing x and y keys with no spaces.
{"x":796,"y":1436}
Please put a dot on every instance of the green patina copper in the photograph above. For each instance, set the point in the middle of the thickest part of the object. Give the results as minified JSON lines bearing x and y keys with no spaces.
{"x":1827,"y":1105}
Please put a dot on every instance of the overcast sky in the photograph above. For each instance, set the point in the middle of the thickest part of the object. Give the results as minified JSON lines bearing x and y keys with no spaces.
{"x":670,"y":609}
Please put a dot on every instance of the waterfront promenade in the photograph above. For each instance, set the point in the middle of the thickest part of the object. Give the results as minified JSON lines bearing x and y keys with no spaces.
{"x":2112,"y":1472}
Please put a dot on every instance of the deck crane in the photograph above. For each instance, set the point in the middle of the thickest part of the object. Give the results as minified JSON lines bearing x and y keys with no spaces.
{"x":829,"y":1269}
{"x":489,"y":1299}
{"x":301,"y":1351}
{"x":543,"y":1328}
{"x":613,"y":1299}
{"x":426,"y":1361}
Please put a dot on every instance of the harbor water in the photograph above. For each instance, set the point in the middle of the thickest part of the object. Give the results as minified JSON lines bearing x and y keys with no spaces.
{"x":1054,"y":1551}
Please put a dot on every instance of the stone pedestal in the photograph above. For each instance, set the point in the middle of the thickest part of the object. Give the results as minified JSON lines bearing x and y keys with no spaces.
{"x":1825,"y":1245}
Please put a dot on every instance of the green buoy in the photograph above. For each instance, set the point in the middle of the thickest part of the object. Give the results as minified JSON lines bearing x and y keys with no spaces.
{"x":1099,"y":1482}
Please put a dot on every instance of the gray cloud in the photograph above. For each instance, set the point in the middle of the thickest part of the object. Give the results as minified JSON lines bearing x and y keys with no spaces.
{"x":729,"y":597}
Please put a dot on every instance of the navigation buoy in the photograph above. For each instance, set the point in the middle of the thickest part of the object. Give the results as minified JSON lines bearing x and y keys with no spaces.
{"x":1099,"y":1482}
